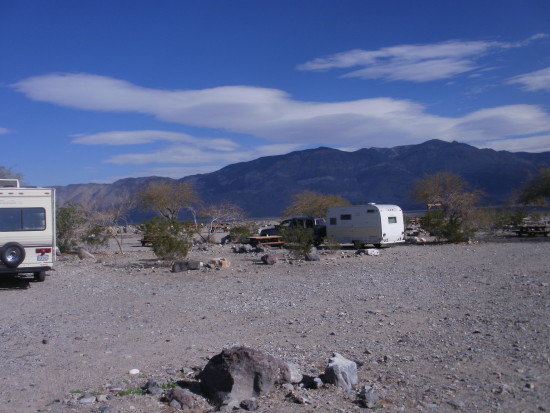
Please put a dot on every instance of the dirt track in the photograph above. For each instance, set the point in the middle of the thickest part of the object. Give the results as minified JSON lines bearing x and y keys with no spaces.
{"x":435,"y":328}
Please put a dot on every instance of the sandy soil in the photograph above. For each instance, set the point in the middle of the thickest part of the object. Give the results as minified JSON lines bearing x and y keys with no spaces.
{"x":434,"y":328}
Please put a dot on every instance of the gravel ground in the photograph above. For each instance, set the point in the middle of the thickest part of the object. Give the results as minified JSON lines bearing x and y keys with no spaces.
{"x":433,"y":328}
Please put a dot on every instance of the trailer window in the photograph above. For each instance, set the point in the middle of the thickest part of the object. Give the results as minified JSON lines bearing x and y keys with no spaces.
{"x":371,"y":211}
{"x":22,"y":219}
{"x":392,"y":220}
{"x":345,"y":217}
{"x":332,"y":221}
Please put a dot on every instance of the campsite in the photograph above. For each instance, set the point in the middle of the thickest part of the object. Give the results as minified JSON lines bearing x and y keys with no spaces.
{"x":442,"y":327}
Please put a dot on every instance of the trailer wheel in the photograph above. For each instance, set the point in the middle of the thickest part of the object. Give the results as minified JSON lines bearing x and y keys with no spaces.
{"x":12,"y":254}
{"x":40,"y":276}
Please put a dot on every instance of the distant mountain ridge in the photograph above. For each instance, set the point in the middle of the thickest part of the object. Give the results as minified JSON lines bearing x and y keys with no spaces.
{"x":263,"y":187}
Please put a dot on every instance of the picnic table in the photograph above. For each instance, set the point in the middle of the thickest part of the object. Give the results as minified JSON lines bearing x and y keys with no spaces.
{"x":532,"y":230}
{"x":273,"y":240}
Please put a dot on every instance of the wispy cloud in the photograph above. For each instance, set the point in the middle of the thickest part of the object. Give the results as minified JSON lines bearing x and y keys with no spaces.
{"x":150,"y":136}
{"x":274,"y":115}
{"x":416,"y":63}
{"x":3,"y":131}
{"x":189,"y":155}
{"x":534,"y":81}
{"x":532,"y":144}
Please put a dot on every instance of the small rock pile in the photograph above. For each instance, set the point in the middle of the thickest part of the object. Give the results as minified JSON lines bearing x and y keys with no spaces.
{"x":237,"y":377}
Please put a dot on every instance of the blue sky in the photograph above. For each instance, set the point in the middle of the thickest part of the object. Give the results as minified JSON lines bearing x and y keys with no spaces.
{"x":95,"y":91}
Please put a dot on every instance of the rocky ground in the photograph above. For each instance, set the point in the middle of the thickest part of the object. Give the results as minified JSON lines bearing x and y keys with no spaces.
{"x":433,"y":328}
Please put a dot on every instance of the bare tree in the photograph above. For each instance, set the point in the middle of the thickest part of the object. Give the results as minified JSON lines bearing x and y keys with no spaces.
{"x":536,"y":189}
{"x":223,"y":212}
{"x":111,"y":220}
{"x":8,"y":173}
{"x":168,"y":199}
{"x":311,"y":203}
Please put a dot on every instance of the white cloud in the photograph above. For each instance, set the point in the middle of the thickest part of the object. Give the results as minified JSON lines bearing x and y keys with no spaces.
{"x":190,"y":155}
{"x":410,"y":62}
{"x":273,"y":115}
{"x":532,"y":144}
{"x":150,"y":136}
{"x":3,"y":131}
{"x":534,"y":81}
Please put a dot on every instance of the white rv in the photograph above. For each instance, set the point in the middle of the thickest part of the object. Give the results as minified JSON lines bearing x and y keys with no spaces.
{"x":27,"y":229}
{"x":366,"y":224}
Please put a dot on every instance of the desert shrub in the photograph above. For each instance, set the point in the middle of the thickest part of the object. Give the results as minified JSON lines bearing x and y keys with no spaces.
{"x":298,"y":240}
{"x":453,"y":228}
{"x":332,"y":245}
{"x":70,"y":222}
{"x":498,"y":218}
{"x":242,"y":233}
{"x":171,"y":240}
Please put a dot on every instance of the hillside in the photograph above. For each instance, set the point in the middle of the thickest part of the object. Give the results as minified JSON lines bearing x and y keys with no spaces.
{"x":263,"y":187}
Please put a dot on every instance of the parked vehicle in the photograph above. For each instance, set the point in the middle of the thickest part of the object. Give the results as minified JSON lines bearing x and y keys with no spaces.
{"x":318,"y":225}
{"x":27,"y":229}
{"x":366,"y":224}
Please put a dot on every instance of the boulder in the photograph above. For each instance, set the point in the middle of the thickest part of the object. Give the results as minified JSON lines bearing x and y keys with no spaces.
{"x":84,"y":254}
{"x":220,"y":262}
{"x":367,"y":397}
{"x":241,"y":373}
{"x":269,"y":259}
{"x":183,"y":397}
{"x":341,"y":372}
{"x":179,"y":266}
{"x":244,"y":248}
{"x":313,"y":255}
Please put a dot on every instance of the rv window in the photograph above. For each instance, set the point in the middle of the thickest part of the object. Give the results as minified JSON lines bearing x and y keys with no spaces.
{"x":345,"y":217}
{"x":332,"y":221}
{"x":370,"y":211}
{"x":392,"y":220}
{"x":22,"y":219}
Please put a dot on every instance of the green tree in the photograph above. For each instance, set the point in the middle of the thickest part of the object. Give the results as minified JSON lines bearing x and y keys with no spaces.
{"x":314,"y":204}
{"x":168,"y":199}
{"x":536,"y":189}
{"x":453,"y":220}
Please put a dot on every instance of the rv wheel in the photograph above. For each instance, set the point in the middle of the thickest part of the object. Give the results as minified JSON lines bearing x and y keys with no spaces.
{"x":12,"y":254}
{"x":40,"y":276}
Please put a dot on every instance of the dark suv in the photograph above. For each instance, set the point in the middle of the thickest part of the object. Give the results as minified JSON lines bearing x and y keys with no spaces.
{"x":318,"y":225}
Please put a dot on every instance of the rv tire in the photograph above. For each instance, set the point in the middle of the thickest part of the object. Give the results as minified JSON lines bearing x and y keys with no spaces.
{"x":12,"y":254}
{"x":40,"y":276}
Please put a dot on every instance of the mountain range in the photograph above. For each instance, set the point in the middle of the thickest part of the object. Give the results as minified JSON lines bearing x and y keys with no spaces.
{"x":263,"y":187}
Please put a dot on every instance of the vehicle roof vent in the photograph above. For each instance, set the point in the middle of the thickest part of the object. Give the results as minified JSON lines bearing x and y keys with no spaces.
{"x":9,"y":183}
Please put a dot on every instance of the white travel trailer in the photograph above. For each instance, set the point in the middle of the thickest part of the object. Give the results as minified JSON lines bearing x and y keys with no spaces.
{"x":367,"y":224}
{"x":27,"y":229}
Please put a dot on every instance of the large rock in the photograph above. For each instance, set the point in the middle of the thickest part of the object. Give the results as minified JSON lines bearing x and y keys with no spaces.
{"x":220,"y":262}
{"x":313,"y":255}
{"x":269,"y":259}
{"x":84,"y":254}
{"x":341,"y":372}
{"x":241,"y":373}
{"x":180,"y":266}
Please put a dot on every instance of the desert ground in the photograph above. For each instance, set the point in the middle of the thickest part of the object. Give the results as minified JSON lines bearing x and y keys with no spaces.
{"x":433,"y":328}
